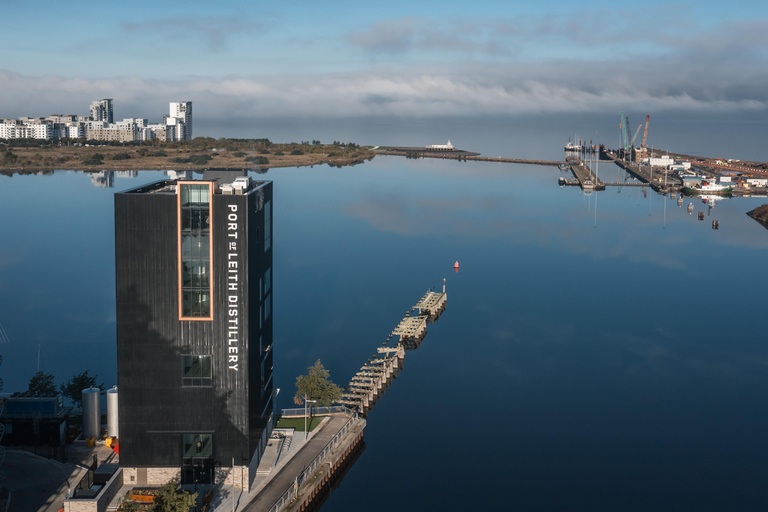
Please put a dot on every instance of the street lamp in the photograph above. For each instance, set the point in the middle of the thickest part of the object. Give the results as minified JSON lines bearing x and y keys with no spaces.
{"x":306,"y":401}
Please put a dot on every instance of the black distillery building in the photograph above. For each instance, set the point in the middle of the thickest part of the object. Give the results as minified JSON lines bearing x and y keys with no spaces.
{"x":194,"y":329}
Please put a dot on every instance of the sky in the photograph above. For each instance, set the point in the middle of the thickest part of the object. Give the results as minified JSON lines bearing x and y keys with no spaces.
{"x":301,"y":59}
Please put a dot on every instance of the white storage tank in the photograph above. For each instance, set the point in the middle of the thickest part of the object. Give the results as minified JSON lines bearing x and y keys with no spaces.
{"x":112,"y":412}
{"x":91,"y":413}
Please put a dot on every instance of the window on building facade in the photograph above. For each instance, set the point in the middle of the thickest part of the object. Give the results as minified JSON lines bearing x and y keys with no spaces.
{"x":195,"y":250}
{"x":196,"y":371}
{"x":267,"y":225}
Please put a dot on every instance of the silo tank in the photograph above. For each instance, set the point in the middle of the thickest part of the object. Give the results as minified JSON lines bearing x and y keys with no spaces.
{"x":112,"y":412}
{"x":91,"y":413}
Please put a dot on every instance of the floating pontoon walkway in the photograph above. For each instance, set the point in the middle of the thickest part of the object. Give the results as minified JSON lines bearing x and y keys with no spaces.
{"x":374,"y":377}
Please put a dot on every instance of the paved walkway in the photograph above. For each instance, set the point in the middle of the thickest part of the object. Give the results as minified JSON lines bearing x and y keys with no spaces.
{"x":287,"y":475}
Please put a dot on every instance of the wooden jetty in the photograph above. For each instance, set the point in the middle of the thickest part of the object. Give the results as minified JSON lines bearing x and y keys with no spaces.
{"x":375,"y":376}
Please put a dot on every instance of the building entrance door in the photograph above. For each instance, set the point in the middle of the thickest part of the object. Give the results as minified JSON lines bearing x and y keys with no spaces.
{"x":197,"y":465}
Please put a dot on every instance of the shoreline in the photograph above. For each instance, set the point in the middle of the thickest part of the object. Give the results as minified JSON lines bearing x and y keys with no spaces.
{"x":32,"y":160}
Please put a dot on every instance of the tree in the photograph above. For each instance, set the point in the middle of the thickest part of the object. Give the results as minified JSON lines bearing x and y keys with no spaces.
{"x":73,"y":389}
{"x":316,"y":385}
{"x":171,"y":498}
{"x":42,"y":383}
{"x":131,"y":506}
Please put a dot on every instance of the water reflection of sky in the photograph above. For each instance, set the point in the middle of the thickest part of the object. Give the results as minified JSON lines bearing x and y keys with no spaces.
{"x":582,"y":362}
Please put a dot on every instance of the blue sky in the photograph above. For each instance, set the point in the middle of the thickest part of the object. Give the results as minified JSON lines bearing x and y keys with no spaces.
{"x":395,"y":58}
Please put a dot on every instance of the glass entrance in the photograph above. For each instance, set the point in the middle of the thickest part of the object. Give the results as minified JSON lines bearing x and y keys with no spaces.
{"x":197,"y":465}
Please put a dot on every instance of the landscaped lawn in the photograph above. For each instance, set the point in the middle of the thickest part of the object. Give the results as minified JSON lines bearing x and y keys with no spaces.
{"x":298,"y":423}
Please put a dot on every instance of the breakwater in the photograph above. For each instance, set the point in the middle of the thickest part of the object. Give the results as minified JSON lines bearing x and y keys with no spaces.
{"x":469,"y":157}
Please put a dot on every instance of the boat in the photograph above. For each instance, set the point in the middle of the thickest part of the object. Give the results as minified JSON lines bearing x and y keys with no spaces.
{"x":571,"y":146}
{"x":708,"y":188}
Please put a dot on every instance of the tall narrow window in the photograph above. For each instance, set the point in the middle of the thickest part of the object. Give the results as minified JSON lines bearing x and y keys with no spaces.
{"x":267,"y":225}
{"x":194,"y":204}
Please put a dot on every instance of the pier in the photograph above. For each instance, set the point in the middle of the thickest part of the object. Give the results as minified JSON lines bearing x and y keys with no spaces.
{"x":645,"y":175}
{"x":375,"y":376}
{"x":586,"y":178}
{"x":305,"y":479}
{"x":466,"y":156}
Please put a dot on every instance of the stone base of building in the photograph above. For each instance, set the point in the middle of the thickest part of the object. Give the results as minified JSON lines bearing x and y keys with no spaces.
{"x":156,"y":477}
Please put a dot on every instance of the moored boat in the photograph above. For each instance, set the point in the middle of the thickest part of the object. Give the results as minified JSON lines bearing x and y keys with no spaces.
{"x":707,"y":187}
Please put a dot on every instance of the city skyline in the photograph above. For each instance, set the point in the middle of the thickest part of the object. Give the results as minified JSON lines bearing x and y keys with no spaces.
{"x":433,"y":59}
{"x":100,"y":125}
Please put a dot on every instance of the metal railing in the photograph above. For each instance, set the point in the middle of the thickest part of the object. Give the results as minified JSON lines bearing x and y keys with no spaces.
{"x":317,"y":411}
{"x":312,"y":466}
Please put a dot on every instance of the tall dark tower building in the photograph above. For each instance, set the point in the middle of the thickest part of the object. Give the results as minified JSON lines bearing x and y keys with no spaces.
{"x":194,"y":329}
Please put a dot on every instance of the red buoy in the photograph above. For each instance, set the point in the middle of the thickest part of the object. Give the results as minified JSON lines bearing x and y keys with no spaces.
{"x":456,"y":266}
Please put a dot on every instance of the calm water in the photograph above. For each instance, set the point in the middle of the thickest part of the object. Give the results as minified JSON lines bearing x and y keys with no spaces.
{"x":602,"y":352}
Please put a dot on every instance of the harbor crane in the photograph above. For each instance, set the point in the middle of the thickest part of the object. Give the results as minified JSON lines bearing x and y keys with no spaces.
{"x":645,"y":132}
{"x":628,"y":142}
{"x":624,"y":128}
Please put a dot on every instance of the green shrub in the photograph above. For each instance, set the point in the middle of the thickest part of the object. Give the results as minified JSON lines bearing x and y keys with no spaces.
{"x":259,"y":160}
{"x":297,"y":152}
{"x":279,"y":153}
{"x":200,"y":159}
{"x":240,"y":154}
{"x":94,"y":159}
{"x":194,"y":159}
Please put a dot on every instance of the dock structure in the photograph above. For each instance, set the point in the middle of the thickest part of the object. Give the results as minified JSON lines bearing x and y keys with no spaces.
{"x":645,"y":175}
{"x":586,"y":178}
{"x":466,"y":156}
{"x":375,"y":376}
{"x":432,"y":303}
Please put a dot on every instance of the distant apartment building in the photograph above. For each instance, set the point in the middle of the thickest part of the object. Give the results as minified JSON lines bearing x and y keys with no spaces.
{"x":101,"y":110}
{"x":181,"y":114}
{"x":16,"y":129}
{"x":100,"y":125}
{"x":161,"y":132}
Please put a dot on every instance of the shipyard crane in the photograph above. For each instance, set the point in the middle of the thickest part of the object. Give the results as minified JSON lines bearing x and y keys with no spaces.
{"x":624,"y":129}
{"x":645,"y":132}
{"x":637,"y":132}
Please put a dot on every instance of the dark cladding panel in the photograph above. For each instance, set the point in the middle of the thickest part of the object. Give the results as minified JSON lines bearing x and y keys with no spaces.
{"x":145,"y":244}
{"x":260,"y":359}
{"x":230,"y":346}
{"x":158,"y":402}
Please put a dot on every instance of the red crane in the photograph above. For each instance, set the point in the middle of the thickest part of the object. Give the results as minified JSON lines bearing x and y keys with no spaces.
{"x":645,"y":133}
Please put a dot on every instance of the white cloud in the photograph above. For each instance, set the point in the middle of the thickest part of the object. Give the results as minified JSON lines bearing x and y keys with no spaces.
{"x":457,"y":89}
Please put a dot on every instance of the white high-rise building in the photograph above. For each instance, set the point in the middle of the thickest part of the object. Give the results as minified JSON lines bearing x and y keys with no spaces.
{"x":101,"y":110}
{"x":183,"y":112}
